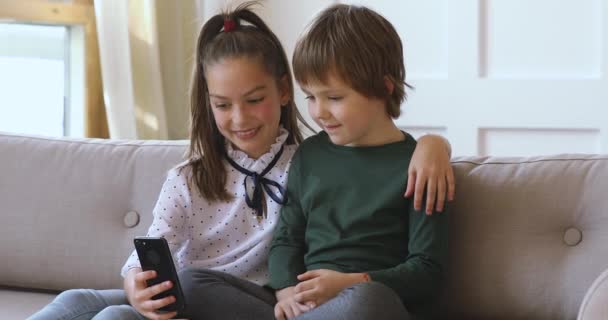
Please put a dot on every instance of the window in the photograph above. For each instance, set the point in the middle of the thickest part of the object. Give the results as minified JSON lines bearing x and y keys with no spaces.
{"x":50,"y":77}
{"x":37,"y":94}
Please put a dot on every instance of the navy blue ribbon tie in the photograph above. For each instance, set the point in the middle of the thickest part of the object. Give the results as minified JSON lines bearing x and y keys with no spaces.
{"x":261,"y":184}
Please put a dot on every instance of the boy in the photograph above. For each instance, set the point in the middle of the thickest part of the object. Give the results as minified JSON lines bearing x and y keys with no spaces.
{"x":347,"y":244}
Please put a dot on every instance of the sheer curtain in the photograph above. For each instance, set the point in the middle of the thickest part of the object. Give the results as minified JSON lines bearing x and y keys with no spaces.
{"x":146,"y":61}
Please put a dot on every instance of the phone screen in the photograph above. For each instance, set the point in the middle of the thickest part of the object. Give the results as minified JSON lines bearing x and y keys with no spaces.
{"x":154,"y":254}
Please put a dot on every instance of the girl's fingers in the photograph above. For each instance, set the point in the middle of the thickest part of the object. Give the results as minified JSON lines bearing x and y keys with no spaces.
{"x":430,"y":195}
{"x":451,"y":184}
{"x":142,"y":277}
{"x":419,"y":191}
{"x":159,"y":303}
{"x":441,"y":194}
{"x":411,"y":179}
{"x":145,"y":275}
{"x":150,"y":292}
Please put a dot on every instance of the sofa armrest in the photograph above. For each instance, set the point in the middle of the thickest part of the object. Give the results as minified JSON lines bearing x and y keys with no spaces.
{"x":595,"y":303}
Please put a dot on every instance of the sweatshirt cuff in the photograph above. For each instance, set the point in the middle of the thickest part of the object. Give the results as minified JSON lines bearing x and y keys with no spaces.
{"x":278,"y":284}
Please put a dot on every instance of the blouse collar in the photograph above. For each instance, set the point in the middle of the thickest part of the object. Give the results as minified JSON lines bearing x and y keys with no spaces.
{"x":243,"y":160}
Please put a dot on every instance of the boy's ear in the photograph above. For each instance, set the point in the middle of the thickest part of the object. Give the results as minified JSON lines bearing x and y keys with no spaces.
{"x":284,"y":90}
{"x":390,"y":86}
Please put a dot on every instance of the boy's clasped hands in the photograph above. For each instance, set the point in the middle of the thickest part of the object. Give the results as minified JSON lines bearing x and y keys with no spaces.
{"x":315,"y":288}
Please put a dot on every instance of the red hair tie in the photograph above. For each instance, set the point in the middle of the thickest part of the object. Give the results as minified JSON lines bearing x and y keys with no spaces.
{"x":229,"y":25}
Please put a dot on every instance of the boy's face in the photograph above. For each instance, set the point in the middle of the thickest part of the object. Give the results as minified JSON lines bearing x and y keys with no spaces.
{"x":348,"y":117}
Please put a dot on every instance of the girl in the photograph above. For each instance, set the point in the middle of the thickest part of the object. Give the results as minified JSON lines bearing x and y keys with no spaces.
{"x":218,"y":211}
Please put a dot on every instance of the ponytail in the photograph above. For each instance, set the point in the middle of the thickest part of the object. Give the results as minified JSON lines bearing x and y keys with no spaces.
{"x":225,"y":36}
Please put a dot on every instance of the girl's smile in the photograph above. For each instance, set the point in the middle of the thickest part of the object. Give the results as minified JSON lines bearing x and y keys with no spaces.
{"x":246,"y":134}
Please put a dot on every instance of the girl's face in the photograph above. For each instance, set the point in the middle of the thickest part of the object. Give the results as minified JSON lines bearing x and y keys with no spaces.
{"x":246,"y":103}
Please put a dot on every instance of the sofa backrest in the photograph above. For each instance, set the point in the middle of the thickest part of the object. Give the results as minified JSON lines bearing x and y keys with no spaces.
{"x":64,"y":202}
{"x":528,"y":236}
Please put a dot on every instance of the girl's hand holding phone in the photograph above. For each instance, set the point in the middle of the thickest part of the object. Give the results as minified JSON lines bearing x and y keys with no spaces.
{"x":140,"y":295}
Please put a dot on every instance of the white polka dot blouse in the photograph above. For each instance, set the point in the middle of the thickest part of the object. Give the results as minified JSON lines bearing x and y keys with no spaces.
{"x":223,"y":236}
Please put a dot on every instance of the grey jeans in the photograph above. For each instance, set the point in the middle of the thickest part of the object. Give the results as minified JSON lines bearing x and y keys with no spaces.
{"x":215,"y":295}
{"x":86,"y":304}
{"x":364,"y":301}
{"x":208,"y":294}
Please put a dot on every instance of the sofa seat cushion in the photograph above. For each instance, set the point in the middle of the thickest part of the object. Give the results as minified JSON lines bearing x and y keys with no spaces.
{"x":20,"y":304}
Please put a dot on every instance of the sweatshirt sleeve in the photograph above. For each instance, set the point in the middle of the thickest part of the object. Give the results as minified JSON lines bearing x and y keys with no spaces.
{"x":419,"y":279}
{"x":286,"y":258}
{"x":169,"y":216}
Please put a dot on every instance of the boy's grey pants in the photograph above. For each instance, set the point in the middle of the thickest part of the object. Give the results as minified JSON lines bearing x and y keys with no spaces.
{"x":217,"y":295}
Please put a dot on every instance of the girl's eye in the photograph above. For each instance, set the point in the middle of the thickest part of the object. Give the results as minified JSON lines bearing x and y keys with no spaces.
{"x":220,"y":105}
{"x":335,"y":98}
{"x":310,"y":98}
{"x":257,"y":100}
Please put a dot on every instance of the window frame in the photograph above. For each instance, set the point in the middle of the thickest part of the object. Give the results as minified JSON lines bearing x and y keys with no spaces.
{"x":73,"y":13}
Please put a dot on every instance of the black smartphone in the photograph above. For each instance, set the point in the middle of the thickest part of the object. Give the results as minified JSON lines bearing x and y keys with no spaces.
{"x":154,"y":254}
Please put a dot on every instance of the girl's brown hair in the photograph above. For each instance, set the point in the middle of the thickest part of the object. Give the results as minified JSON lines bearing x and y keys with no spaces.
{"x":254,"y":40}
{"x":360,"y":46}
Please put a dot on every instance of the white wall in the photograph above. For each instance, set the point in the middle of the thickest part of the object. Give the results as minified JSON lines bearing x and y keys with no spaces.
{"x":496,"y":77}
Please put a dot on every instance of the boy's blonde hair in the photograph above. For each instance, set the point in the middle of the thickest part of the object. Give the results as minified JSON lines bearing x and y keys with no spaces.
{"x":358,"y":45}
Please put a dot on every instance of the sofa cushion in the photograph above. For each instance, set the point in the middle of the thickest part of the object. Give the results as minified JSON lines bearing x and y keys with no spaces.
{"x":63,"y":207}
{"x":515,"y":226}
{"x":19,"y":304}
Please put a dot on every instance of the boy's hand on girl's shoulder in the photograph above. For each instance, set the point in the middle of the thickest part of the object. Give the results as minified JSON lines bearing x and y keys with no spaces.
{"x":140,"y":295}
{"x":287,"y":307}
{"x":319,"y":286}
{"x":431,"y":172}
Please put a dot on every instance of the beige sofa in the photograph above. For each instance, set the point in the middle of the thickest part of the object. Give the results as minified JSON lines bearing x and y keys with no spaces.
{"x":529,"y":235}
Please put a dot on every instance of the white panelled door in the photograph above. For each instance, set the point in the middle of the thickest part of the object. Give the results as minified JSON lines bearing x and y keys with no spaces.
{"x":506,"y":77}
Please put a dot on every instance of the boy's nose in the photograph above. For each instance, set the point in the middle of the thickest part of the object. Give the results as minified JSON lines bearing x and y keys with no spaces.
{"x":319,"y":111}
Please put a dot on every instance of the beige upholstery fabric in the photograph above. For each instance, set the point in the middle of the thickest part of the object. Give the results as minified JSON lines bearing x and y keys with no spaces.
{"x":595,"y":304}
{"x":63,"y":204}
{"x":528,"y":234}
{"x":18,"y":305}
{"x":510,"y":217}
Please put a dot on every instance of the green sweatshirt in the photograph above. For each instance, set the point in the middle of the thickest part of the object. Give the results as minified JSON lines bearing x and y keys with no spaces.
{"x":346,"y":212}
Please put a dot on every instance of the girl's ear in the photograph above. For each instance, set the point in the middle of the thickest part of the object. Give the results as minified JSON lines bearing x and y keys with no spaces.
{"x":390,"y":86}
{"x":284,"y":91}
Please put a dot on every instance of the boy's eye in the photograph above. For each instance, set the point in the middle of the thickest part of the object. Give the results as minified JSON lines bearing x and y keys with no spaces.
{"x":335,"y":98}
{"x":310,"y":98}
